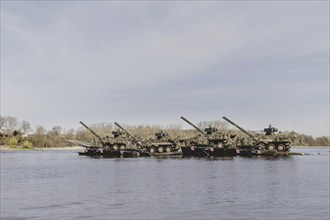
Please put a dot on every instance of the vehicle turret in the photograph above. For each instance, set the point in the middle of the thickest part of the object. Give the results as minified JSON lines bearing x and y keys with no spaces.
{"x":160,"y":135}
{"x":117,"y":133}
{"x":210,"y":130}
{"x":270,"y":130}
{"x":127,"y":132}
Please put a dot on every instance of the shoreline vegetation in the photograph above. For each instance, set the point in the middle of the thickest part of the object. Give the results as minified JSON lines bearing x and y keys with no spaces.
{"x":19,"y":134}
{"x":8,"y":148}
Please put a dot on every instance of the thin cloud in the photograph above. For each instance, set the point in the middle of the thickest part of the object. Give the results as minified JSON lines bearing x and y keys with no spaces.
{"x":150,"y":62}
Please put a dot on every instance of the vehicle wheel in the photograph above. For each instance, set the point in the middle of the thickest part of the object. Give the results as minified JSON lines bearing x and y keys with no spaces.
{"x":115,"y":147}
{"x":260,"y":146}
{"x":168,"y":149}
{"x":160,"y":149}
{"x":271,"y":147}
{"x":281,"y":147}
{"x":152,"y":150}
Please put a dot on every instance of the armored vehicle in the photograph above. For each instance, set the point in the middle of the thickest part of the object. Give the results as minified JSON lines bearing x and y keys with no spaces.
{"x":95,"y":149}
{"x":119,"y":140}
{"x":209,"y":143}
{"x":134,"y":144}
{"x":112,"y":148}
{"x":161,"y":144}
{"x":90,"y":149}
{"x":268,"y":144}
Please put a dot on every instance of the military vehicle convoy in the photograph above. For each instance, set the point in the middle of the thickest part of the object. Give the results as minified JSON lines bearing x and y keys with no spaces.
{"x":266,"y":145}
{"x":209,"y":144}
{"x":124,"y":144}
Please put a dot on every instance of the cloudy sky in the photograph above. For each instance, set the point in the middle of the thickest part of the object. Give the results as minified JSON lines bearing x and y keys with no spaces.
{"x":256,"y":62}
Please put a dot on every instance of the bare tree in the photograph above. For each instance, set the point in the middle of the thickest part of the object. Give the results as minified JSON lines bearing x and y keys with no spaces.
{"x":56,"y":130}
{"x":70,"y":134}
{"x":2,"y":121}
{"x":10,"y":122}
{"x":25,"y":127}
{"x":40,"y":130}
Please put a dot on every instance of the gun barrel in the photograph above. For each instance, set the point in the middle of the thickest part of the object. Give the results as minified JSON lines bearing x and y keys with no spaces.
{"x":93,"y":132}
{"x":197,"y":128}
{"x":239,"y":128}
{"x":136,"y":140}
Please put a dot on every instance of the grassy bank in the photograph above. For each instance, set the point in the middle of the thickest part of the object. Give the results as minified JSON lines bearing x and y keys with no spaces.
{"x":8,"y":148}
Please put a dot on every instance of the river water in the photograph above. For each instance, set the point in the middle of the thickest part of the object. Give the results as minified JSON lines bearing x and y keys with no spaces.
{"x":63,"y":185}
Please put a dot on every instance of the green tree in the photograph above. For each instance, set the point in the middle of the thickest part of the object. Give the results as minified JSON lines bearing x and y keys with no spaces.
{"x":12,"y":142}
{"x":27,"y":144}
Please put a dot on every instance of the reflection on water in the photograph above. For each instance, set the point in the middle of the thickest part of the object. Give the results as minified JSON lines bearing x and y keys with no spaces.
{"x":61,"y":184}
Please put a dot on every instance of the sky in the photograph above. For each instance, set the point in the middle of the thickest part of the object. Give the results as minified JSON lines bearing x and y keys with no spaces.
{"x":150,"y":62}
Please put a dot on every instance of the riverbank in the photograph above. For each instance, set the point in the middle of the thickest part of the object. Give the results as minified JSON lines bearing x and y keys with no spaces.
{"x":8,"y":148}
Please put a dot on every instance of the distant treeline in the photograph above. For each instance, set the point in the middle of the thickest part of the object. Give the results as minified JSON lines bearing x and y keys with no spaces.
{"x":19,"y":133}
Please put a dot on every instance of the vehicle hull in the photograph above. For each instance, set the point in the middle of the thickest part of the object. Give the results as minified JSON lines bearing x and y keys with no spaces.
{"x":188,"y":151}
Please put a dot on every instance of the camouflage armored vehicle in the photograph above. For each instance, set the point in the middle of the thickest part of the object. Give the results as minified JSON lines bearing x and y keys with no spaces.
{"x":115,"y":147}
{"x":94,"y":149}
{"x":209,"y":143}
{"x":134,"y":144}
{"x":268,"y":144}
{"x":119,"y":140}
{"x":161,"y":144}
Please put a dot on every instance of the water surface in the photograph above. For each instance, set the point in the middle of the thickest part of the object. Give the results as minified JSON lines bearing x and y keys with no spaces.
{"x":63,"y":185}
